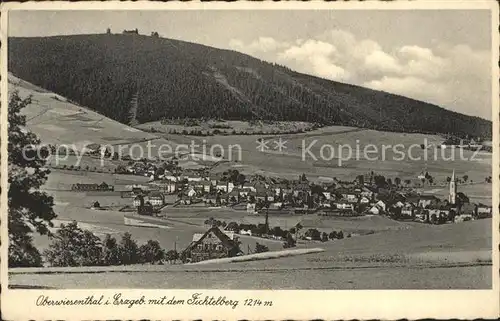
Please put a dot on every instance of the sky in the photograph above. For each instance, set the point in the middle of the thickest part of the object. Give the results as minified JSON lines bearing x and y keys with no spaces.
{"x":438,"y":56}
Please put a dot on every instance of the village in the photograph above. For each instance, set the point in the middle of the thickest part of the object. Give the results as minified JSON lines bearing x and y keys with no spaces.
{"x":369,"y":194}
{"x":171,"y":187}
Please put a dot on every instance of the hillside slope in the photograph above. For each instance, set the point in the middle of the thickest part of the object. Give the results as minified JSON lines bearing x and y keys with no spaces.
{"x":171,"y":78}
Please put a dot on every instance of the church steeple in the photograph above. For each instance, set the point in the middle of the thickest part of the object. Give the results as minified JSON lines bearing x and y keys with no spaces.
{"x":453,"y":189}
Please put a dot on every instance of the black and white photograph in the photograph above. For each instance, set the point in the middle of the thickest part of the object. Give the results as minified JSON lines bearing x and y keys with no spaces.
{"x":227,"y":148}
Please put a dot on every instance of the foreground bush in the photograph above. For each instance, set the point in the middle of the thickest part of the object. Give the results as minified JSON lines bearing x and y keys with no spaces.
{"x":151,"y":252}
{"x":74,"y":247}
{"x":111,"y":251}
{"x":129,"y":250}
{"x":24,"y":254}
{"x":261,"y":248}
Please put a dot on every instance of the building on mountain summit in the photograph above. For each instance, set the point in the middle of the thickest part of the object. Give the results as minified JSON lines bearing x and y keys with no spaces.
{"x":131,"y":32}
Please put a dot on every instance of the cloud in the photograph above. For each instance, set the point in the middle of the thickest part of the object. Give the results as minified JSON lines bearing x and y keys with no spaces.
{"x":416,"y":52}
{"x":313,"y":56}
{"x":382,"y":62}
{"x":410,"y":86}
{"x":455,"y":76}
{"x":308,"y":48}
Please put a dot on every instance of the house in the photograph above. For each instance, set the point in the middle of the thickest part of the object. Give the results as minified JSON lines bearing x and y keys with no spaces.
{"x":276,"y":206}
{"x":398,"y":204}
{"x":261,"y":195}
{"x":381,"y":204}
{"x":170,"y":187}
{"x":234,"y":196}
{"x":251,"y":208}
{"x":245,"y":191}
{"x":277,"y":190}
{"x":169,"y":176}
{"x":146,"y":209}
{"x":463,"y":218}
{"x":167,"y":186}
{"x":367,"y":192}
{"x":364,"y":200}
{"x":197,"y":185}
{"x":376,"y":210}
{"x":93,"y":148}
{"x":249,"y":187}
{"x":421,"y":215}
{"x":438,"y":212}
{"x":213,"y":244}
{"x":434,"y":212}
{"x":282,"y":189}
{"x":131,"y":32}
{"x":138,"y":201}
{"x":483,"y":211}
{"x":270,"y":196}
{"x":286,"y":190}
{"x":225,"y":187}
{"x":350,"y":197}
{"x":468,"y":208}
{"x":201,"y":186}
{"x":260,"y":186}
{"x":214,"y":178}
{"x":246,"y":232}
{"x":444,"y":209}
{"x":412,"y":199}
{"x":426,"y":200}
{"x":327,"y":195}
{"x":222,"y":186}
{"x":344,"y":205}
{"x":301,"y":189}
{"x":302,"y":192}
{"x":223,"y":198}
{"x":211,"y":199}
{"x":156,"y":199}
{"x":105,"y":187}
{"x":137,"y":190}
{"x":326,"y":204}
{"x":348,"y":194}
{"x":407,"y":209}
{"x":193,"y":177}
{"x":251,"y":196}
{"x":191,"y":192}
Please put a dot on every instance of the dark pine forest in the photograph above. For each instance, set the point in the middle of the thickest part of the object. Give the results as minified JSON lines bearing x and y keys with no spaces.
{"x":177,"y":79}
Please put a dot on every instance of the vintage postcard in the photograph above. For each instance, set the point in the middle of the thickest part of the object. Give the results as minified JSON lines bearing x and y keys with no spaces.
{"x":250,"y":160}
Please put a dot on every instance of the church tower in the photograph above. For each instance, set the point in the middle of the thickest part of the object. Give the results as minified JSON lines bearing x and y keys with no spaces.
{"x":453,"y":189}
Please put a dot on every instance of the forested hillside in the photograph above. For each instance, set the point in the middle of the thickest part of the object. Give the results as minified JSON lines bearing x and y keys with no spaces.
{"x":170,"y":79}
